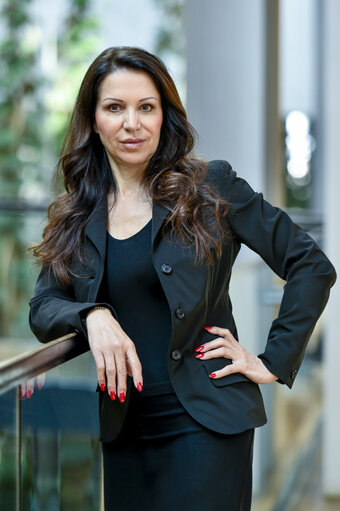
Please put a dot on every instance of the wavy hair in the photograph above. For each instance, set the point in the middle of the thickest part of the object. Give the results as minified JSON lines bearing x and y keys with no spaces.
{"x":173,"y":177}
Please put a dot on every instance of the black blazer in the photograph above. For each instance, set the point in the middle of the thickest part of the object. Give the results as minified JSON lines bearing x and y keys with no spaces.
{"x":198,"y":296}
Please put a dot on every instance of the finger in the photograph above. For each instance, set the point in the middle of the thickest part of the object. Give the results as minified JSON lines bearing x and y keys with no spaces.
{"x":22,"y":390}
{"x":222,"y":332}
{"x":135,"y":366}
{"x":215,"y":343}
{"x":222,"y":351}
{"x":225,"y":371}
{"x":41,"y":380}
{"x":100,"y":368}
{"x":111,"y":375}
{"x":29,"y":388}
{"x":121,"y":376}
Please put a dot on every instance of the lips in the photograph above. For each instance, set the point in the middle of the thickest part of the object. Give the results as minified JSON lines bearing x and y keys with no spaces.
{"x":132,"y":143}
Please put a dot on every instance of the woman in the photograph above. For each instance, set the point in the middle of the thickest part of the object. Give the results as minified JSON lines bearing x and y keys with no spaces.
{"x":137,"y":257}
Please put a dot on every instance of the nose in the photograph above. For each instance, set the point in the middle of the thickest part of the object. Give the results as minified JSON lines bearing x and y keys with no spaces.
{"x":131,"y":120}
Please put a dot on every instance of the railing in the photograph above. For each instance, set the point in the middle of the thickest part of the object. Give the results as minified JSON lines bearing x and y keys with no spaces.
{"x":20,"y":205}
{"x":50,"y":457}
{"x":28,"y":365}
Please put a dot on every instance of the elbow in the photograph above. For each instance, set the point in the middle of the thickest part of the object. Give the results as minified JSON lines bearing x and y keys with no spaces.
{"x":325,"y":268}
{"x":332,"y":275}
{"x":37,"y":330}
{"x":39,"y":324}
{"x":329,"y":271}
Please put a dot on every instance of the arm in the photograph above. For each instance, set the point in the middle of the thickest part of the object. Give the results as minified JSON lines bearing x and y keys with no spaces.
{"x":54,"y":311}
{"x":294,"y":256}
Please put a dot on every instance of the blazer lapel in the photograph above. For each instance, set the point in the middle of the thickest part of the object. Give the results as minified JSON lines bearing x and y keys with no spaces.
{"x":159,"y":213}
{"x":96,"y":227}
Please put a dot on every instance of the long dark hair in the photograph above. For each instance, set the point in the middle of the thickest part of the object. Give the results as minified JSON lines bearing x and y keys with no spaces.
{"x":173,"y":176}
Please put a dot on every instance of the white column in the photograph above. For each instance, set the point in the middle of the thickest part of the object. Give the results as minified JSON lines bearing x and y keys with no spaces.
{"x":232,"y":103}
{"x":225,"y":81}
{"x":331,"y":164}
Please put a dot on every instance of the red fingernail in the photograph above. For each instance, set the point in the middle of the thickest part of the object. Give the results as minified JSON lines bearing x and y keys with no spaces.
{"x":208,"y":327}
{"x":122,"y":397}
{"x":22,"y":394}
{"x":29,"y":393}
{"x":112,"y":395}
{"x":212,"y":375}
{"x":40,"y":385}
{"x":102,"y":386}
{"x":199,"y":355}
{"x":139,"y":386}
{"x":199,"y":348}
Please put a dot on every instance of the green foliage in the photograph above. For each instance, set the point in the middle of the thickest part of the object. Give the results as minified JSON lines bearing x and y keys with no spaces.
{"x":76,"y":46}
{"x":34,"y":111}
{"x":169,"y":38}
{"x":20,"y":105}
{"x":20,"y":148}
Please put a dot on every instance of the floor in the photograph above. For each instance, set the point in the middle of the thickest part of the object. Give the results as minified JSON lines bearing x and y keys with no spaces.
{"x":295,"y":485}
{"x":312,"y":499}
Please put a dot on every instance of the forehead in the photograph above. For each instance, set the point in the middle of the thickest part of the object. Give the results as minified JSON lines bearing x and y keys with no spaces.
{"x":124,"y":83}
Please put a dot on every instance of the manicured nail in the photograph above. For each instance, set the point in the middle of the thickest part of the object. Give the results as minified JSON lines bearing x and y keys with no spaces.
{"x":199,"y":355}
{"x":112,"y":395}
{"x":102,"y":386}
{"x":139,"y":386}
{"x":212,"y":375}
{"x":40,"y":385}
{"x":208,"y":327}
{"x":199,"y":348}
{"x":29,"y":393}
{"x":122,"y":397}
{"x":22,"y":394}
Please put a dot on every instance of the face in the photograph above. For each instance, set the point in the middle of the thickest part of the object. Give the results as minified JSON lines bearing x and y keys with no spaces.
{"x":128,"y":118}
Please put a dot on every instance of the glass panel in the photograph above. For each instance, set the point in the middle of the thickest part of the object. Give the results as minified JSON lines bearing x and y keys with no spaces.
{"x":8,"y":450}
{"x":61,"y":454}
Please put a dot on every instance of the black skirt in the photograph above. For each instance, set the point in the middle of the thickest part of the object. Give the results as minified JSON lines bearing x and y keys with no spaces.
{"x":164,"y":460}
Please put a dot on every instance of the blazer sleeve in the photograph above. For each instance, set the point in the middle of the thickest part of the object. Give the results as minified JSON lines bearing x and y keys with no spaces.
{"x":295,"y":257}
{"x":54,"y":311}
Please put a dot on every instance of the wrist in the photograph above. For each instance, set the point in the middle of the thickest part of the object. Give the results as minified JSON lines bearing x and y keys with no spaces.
{"x":271,"y":376}
{"x":97,"y":307}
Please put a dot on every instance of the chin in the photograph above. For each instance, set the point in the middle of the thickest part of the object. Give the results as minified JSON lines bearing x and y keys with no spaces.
{"x":136,"y":159}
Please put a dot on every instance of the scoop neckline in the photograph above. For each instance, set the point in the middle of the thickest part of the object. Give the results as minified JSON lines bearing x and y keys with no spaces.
{"x":130,"y":237}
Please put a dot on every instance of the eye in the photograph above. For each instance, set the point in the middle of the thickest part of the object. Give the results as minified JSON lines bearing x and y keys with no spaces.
{"x":146,"y":108}
{"x":114,"y":107}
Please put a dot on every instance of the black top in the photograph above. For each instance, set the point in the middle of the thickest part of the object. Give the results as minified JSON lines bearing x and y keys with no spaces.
{"x":131,"y":285}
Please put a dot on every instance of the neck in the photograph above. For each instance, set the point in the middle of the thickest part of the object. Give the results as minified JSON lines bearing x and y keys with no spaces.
{"x":128,"y":179}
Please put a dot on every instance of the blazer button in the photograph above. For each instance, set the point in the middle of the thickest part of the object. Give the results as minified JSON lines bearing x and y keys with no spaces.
{"x":166,"y":268}
{"x":293,"y":374}
{"x":179,"y":313}
{"x":176,"y":355}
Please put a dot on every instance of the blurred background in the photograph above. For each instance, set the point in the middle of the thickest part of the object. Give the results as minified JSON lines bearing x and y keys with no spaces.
{"x":260,"y":82}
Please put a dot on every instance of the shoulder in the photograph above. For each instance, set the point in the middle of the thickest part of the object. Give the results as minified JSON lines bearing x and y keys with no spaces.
{"x":217,"y":168}
{"x":230,"y":186}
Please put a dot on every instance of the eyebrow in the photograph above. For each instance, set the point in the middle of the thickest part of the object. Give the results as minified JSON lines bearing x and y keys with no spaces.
{"x":122,"y":101}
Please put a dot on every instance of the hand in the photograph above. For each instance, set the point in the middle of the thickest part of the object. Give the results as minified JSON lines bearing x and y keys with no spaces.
{"x":27,"y":388}
{"x":114,"y":353}
{"x":242,"y":360}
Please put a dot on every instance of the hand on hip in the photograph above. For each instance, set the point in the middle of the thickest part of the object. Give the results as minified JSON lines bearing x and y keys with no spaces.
{"x":225,"y":345}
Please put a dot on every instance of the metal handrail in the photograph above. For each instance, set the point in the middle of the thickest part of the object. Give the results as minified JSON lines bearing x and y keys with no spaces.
{"x":19,"y":369}
{"x":16,"y":370}
{"x":22,"y":205}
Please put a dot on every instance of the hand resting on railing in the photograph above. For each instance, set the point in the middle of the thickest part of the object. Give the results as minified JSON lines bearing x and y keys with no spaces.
{"x":27,"y":388}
